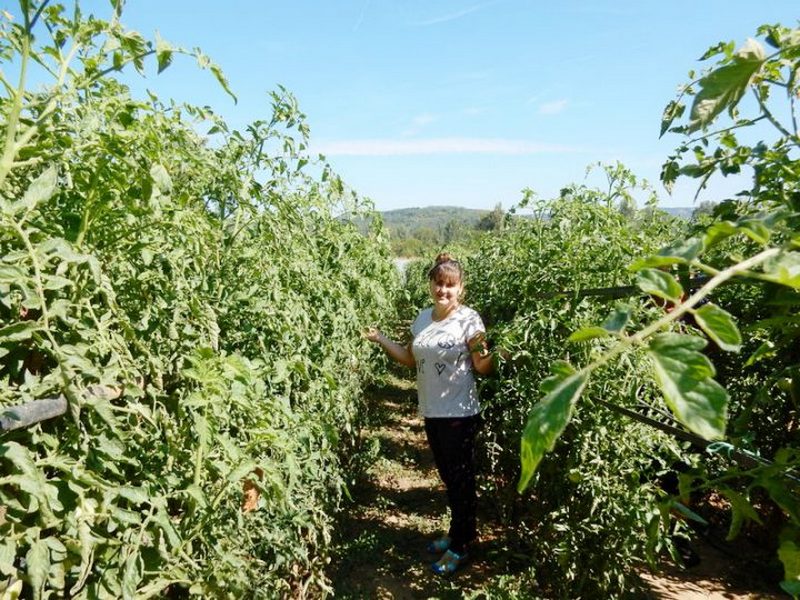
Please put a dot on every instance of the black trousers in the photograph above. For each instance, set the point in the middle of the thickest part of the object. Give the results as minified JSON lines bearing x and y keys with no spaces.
{"x":452,"y":440}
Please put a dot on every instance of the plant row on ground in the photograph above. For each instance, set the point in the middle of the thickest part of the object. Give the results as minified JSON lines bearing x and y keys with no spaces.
{"x":192,"y":292}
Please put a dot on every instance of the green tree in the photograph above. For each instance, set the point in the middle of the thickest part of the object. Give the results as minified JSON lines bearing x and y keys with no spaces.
{"x":492,"y":221}
{"x":453,"y":231}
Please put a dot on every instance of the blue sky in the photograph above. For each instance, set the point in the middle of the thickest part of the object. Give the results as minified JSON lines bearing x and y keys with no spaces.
{"x":455,"y":102}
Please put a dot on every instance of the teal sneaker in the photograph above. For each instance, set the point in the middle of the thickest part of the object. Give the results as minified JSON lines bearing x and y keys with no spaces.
{"x":449,"y":563}
{"x":439,"y":545}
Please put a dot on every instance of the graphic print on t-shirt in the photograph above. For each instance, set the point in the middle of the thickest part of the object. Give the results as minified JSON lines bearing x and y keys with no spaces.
{"x":447,"y":341}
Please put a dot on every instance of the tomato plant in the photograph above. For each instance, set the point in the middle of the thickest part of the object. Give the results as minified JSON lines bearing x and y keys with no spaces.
{"x":196,"y":295}
{"x":752,"y":241}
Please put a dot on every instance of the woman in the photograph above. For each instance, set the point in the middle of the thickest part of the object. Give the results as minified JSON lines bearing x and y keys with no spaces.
{"x":448,"y":344}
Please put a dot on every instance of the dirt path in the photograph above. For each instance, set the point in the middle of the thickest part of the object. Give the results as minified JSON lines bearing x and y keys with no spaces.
{"x":400,"y":506}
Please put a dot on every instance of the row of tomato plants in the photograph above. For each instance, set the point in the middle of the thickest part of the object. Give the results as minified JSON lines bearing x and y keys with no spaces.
{"x":602,"y":491}
{"x":194,"y":294}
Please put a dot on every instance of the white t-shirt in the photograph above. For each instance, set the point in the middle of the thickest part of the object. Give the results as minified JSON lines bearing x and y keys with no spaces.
{"x":445,"y":382}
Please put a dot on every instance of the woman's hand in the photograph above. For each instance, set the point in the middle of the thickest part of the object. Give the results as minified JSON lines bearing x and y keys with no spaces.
{"x":373,"y":334}
{"x":479,"y":351}
{"x":398,"y":352}
{"x":482,"y":359}
{"x":478,"y":344}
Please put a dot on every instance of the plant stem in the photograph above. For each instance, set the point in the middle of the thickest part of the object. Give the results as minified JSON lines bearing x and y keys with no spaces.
{"x":717,"y":280}
{"x":9,"y":147}
{"x":771,"y":118}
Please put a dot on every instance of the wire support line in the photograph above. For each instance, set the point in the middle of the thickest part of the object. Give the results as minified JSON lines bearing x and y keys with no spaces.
{"x":746,"y":459}
{"x":625,"y":291}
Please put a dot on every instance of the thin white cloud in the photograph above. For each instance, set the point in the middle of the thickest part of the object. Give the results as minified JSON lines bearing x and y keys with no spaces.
{"x":553,"y":108}
{"x":418,"y":123}
{"x":454,"y":145}
{"x":456,"y":15}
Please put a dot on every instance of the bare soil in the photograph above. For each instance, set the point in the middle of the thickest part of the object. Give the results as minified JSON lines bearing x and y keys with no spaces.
{"x":399,"y":506}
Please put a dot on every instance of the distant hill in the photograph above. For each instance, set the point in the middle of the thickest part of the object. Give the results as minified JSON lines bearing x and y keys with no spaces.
{"x":684,"y":212}
{"x":419,"y":231}
{"x":433,"y":217}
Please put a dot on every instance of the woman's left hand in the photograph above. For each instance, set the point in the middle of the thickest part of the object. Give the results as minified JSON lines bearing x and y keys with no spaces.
{"x":477,"y":343}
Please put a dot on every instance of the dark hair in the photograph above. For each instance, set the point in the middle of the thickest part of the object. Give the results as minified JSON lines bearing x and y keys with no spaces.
{"x":446,"y":268}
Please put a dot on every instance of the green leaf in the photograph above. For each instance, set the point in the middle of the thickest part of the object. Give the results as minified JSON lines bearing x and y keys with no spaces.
{"x":7,"y":554}
{"x":19,"y":331}
{"x":161,"y":178}
{"x":205,"y":63}
{"x":587,"y":333}
{"x":147,"y":256}
{"x":241,"y":471}
{"x":203,"y":430}
{"x":781,"y":494}
{"x":685,"y":378}
{"x":11,"y":274}
{"x":547,"y":421}
{"x":682,"y":252}
{"x":784,"y":269}
{"x":723,"y":87}
{"x":765,"y":350}
{"x":685,"y":485}
{"x":718,"y":232}
{"x":674,"y":110}
{"x":31,"y":480}
{"x":560,"y":369}
{"x":161,"y":518}
{"x":163,"y":54}
{"x":758,"y":228}
{"x":791,"y":587}
{"x":55,"y":282}
{"x":617,"y":320}
{"x":719,"y":326}
{"x":741,"y":510}
{"x":658,"y":283}
{"x":669,"y":174}
{"x":38,"y":566}
{"x":136,"y":495}
{"x":13,"y":591}
{"x":123,"y":517}
{"x":132,"y":576}
{"x":196,"y":493}
{"x":687,"y":512}
{"x":40,"y":190}
{"x":719,"y":48}
{"x":87,"y":546}
{"x":789,"y":555}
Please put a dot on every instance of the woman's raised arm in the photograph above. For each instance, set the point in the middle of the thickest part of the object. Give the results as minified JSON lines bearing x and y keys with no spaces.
{"x":397,"y":352}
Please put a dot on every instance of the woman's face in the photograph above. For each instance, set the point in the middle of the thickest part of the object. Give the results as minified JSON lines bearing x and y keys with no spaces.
{"x":445,"y":293}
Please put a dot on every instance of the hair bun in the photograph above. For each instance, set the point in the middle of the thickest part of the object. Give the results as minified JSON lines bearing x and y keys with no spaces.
{"x":447,"y":267}
{"x":443,"y":257}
